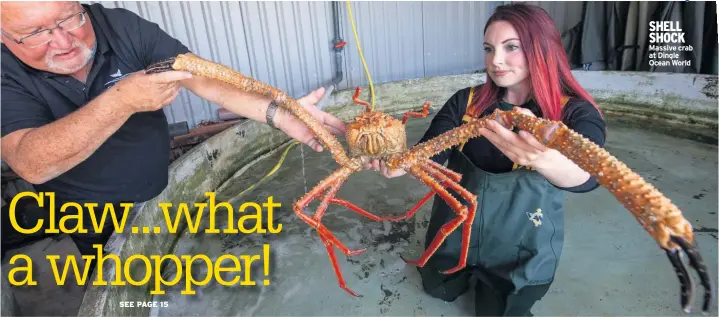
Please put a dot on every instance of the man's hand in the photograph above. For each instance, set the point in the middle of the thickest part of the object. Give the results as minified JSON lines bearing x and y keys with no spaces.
{"x":142,"y":92}
{"x":41,"y":154}
{"x":294,"y":128}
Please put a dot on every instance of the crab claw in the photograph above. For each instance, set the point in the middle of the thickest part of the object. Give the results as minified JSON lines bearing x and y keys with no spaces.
{"x":685,"y":280}
{"x":162,"y":66}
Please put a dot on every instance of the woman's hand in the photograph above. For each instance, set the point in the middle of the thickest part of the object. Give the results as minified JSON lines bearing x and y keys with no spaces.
{"x":522,"y":148}
{"x":384,"y":170}
{"x":381,"y":167}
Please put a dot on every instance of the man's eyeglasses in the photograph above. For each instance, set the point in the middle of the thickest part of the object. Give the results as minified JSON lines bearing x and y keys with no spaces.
{"x":42,"y":37}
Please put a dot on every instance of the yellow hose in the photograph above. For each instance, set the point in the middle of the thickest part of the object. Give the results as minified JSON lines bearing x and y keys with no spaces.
{"x":359,"y":50}
{"x":371,"y":89}
{"x":274,"y":169}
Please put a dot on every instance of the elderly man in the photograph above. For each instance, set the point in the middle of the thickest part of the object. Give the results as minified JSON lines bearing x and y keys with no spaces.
{"x":66,"y":132}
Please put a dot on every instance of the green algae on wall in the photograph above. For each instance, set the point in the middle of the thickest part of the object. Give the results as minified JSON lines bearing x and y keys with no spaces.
{"x":402,"y":96}
{"x":203,"y":169}
{"x":669,"y":104}
{"x":682,"y":124}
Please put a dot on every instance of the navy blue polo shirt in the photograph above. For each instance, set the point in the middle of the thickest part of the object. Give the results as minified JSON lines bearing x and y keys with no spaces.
{"x":132,"y":165}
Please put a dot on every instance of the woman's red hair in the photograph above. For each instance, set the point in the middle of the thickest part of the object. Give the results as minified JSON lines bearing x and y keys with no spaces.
{"x":549,"y":72}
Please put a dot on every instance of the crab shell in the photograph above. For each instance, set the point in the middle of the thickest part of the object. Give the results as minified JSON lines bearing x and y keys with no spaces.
{"x":376,"y":135}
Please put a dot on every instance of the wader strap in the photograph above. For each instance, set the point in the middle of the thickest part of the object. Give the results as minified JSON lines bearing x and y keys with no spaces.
{"x":466,"y":119}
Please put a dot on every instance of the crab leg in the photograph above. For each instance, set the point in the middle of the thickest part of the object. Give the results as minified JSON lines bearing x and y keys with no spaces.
{"x":201,"y":67}
{"x":654,"y":212}
{"x":367,"y":214}
{"x":451,"y":174}
{"x":425,"y":174}
{"x":355,"y":208}
{"x":440,"y":172}
{"x":414,"y":209}
{"x":334,"y":182}
{"x":416,"y":114}
{"x":355,"y":99}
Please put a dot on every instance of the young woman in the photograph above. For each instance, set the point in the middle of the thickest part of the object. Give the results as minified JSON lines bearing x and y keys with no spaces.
{"x":517,"y":235}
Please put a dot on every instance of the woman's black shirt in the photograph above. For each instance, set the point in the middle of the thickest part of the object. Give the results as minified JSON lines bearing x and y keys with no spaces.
{"x":579,"y":115}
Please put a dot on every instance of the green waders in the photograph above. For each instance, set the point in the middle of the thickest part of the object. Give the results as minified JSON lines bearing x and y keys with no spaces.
{"x":516,"y":242}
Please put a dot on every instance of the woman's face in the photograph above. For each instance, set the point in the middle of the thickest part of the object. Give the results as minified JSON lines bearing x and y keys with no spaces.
{"x":504,"y":55}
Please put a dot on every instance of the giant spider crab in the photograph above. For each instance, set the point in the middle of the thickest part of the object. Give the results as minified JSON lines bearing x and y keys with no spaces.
{"x":374,"y":134}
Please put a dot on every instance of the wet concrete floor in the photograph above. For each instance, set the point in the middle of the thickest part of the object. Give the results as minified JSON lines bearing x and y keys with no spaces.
{"x":609,"y":266}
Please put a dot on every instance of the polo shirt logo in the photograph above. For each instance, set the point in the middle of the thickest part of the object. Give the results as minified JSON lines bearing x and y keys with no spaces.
{"x":117,"y":76}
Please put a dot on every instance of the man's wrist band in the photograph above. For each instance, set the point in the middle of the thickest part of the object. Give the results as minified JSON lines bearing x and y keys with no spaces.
{"x":271,"y":110}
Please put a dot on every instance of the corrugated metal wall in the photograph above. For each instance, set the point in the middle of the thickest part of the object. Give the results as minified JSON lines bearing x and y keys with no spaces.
{"x":289,"y":44}
{"x":566,"y":14}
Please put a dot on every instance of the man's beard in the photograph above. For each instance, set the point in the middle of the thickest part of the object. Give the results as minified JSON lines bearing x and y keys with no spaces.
{"x":84,"y":51}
